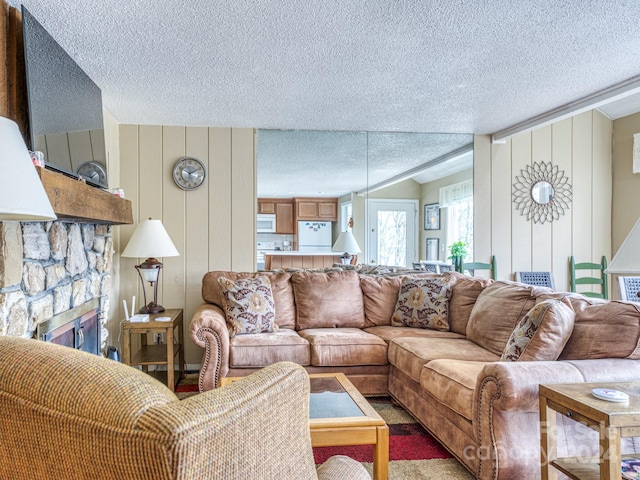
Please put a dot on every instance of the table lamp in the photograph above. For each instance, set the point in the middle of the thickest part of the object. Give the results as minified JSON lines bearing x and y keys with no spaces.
{"x":346,"y":243}
{"x":22,"y":195}
{"x":150,"y":240}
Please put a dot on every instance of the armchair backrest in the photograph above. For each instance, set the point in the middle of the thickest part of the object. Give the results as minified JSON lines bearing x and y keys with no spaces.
{"x":70,"y":414}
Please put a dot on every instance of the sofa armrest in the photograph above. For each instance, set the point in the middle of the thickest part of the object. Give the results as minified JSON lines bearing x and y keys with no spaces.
{"x":209,"y":331}
{"x":506,"y":409}
{"x":513,"y":386}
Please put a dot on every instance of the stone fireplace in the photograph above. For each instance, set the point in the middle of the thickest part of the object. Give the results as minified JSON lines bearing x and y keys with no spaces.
{"x":47,"y":268}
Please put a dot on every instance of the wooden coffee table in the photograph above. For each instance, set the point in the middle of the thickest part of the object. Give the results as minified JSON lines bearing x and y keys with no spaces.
{"x":339,"y":415}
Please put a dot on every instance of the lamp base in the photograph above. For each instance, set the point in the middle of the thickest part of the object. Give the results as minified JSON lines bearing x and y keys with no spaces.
{"x":346,"y":259}
{"x":152,"y":308}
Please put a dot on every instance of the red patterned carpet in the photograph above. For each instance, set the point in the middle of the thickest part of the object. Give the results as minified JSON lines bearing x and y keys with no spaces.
{"x":407,"y":441}
{"x":413,"y":453}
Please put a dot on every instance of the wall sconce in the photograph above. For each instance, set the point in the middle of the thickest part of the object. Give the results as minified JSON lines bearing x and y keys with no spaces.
{"x":22,"y":195}
{"x":150,"y":240}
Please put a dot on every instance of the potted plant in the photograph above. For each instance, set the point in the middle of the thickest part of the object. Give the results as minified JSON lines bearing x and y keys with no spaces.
{"x":458,"y":252}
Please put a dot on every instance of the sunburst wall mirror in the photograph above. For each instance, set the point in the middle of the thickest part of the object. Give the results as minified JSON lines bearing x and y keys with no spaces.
{"x":541,"y":192}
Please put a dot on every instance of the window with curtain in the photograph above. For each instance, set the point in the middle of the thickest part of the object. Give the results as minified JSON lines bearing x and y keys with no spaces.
{"x":458,"y":201}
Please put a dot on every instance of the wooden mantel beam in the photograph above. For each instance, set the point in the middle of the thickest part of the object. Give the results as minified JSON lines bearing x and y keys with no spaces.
{"x":74,"y":200}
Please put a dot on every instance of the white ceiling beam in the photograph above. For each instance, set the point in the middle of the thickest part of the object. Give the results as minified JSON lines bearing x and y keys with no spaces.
{"x":595,"y":100}
{"x":457,"y":153}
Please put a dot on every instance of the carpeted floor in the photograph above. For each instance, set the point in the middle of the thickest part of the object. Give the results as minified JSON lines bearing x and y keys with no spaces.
{"x":413,"y":453}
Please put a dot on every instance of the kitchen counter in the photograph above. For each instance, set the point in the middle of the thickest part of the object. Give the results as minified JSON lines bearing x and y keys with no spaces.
{"x":297,"y":259}
{"x":298,"y":252}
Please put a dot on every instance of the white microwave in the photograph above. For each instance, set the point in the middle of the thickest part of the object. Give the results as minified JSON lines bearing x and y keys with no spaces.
{"x":266,"y":223}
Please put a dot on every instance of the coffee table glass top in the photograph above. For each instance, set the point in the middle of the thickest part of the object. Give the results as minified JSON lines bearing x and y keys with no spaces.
{"x":329,"y":399}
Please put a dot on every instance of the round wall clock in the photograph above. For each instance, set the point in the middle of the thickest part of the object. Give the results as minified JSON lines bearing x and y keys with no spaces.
{"x":189,"y":173}
{"x":93,"y":172}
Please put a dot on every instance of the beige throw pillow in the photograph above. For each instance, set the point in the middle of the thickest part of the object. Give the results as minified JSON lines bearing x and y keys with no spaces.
{"x":498,"y":310}
{"x":423,"y":303}
{"x":541,"y":334}
{"x":249,"y":305}
{"x":328,"y":300}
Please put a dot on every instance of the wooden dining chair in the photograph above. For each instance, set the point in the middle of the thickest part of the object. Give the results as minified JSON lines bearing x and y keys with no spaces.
{"x":599,"y":280}
{"x":471,"y":267}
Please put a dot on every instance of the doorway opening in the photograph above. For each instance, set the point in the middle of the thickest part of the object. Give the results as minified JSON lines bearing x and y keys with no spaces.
{"x":392,"y":234}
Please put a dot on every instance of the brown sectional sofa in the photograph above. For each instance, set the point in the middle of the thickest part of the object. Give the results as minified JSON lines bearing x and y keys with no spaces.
{"x":484,"y":410}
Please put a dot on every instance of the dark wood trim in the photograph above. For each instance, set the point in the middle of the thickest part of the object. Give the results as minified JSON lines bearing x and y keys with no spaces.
{"x":4,"y":80}
{"x":17,"y":75}
{"x":13,"y":77}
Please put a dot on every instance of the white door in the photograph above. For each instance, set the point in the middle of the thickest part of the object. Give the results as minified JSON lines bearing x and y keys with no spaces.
{"x":392,"y":232}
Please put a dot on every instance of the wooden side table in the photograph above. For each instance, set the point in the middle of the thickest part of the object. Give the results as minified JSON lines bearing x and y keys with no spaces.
{"x":612,"y":420}
{"x":157,"y":354}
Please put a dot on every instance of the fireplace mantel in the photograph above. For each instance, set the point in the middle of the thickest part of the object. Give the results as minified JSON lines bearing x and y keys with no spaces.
{"x":75,"y":201}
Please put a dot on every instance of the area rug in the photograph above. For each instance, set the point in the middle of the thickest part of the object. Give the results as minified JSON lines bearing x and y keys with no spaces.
{"x":413,"y":453}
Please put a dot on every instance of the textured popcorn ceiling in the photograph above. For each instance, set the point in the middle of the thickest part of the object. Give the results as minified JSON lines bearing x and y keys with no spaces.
{"x":324,"y":163}
{"x":416,"y":66}
{"x":430,"y":66}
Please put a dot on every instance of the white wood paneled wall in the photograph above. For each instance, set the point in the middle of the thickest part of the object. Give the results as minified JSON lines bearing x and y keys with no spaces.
{"x":112,"y":146}
{"x":626,"y":191}
{"x":213,"y":227}
{"x":581,"y":146}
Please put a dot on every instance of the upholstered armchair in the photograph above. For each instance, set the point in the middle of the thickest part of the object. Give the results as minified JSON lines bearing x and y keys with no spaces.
{"x":69,"y":414}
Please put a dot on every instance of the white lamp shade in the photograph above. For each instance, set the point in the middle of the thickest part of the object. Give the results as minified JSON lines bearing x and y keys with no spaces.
{"x":346,"y":242}
{"x":150,"y":240}
{"x":627,"y":259}
{"x":22,"y":195}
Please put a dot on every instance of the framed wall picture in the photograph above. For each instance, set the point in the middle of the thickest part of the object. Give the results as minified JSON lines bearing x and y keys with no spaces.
{"x":433,"y":244}
{"x":432,"y":216}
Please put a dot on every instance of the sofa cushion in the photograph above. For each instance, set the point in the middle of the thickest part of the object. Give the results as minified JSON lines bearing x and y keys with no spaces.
{"x":452,"y":383}
{"x":463,"y":297}
{"x":497,"y":311}
{"x":423,"y":303}
{"x":411,"y":354}
{"x":337,"y":347}
{"x":248,"y":305}
{"x":388,"y":333}
{"x":380,"y":295}
{"x":262,"y":349}
{"x":603,"y":329}
{"x":541,"y":334}
{"x":328,"y":300}
{"x":281,"y":289}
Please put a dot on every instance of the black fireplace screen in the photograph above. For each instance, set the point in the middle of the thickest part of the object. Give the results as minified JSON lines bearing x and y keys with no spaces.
{"x":77,"y":328}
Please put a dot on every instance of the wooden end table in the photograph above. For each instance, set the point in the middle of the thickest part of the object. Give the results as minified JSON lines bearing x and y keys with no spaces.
{"x":339,"y":416}
{"x":612,"y":420}
{"x":157,"y":354}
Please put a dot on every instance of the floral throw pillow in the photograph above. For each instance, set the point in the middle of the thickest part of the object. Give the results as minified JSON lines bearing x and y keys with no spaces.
{"x":424,"y":303}
{"x":541,"y":334}
{"x":249,"y":305}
